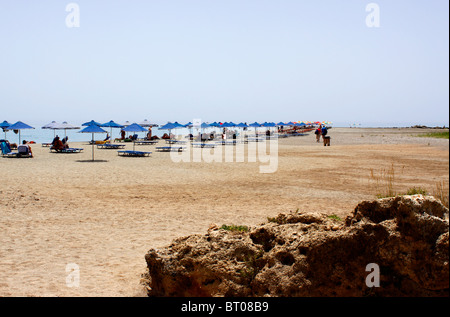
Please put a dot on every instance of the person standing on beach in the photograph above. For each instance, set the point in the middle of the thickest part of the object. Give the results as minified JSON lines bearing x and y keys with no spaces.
{"x":324,"y":131}
{"x":318,"y":132}
{"x":149,"y":134}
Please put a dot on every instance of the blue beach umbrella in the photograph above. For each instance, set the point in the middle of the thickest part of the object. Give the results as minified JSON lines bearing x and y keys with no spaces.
{"x":111,"y":124}
{"x":254,"y":125}
{"x":178,"y":125}
{"x":169,"y":126}
{"x":226,"y":125}
{"x":19,"y":125}
{"x":134,"y":128}
{"x":4,"y":125}
{"x":92,"y":122}
{"x":92,"y":129}
{"x":242,"y":125}
{"x":215,"y":124}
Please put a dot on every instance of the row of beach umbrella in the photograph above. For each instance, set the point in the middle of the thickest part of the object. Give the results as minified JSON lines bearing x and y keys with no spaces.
{"x":140,"y":127}
{"x":96,"y":127}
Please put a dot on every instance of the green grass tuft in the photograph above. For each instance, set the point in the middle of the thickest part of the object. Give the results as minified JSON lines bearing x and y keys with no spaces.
{"x":438,"y":135}
{"x":416,"y":191}
{"x":334,"y":217}
{"x":234,"y":228}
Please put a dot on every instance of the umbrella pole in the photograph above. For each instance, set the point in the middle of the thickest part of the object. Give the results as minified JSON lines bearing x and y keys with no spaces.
{"x":93,"y":142}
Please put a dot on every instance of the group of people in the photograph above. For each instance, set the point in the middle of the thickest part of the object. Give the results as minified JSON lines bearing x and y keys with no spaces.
{"x":23,"y":149}
{"x":134,"y":136}
{"x":58,"y":144}
{"x":322,"y":131}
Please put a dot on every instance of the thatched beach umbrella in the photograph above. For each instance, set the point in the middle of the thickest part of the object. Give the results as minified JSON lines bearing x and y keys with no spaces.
{"x":66,"y":126}
{"x":147,"y":124}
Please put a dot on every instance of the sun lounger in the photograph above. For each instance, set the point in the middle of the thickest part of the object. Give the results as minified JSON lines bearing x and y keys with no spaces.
{"x":109,"y":146}
{"x":122,"y":140}
{"x":170,"y":141}
{"x":67,"y":150}
{"x":22,"y":151}
{"x":203,"y":145}
{"x":46,"y":144}
{"x":145,"y":142}
{"x":256,"y":139}
{"x":133,"y":153}
{"x":227,"y":142}
{"x":169,"y":148}
{"x":99,"y":142}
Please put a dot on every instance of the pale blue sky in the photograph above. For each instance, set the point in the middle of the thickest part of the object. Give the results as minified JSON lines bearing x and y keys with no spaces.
{"x":225,"y":60}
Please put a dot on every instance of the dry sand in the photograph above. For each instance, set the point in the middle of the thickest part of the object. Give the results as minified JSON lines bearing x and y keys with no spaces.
{"x":104,"y":216}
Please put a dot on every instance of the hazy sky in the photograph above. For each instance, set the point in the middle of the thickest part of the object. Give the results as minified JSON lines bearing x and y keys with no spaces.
{"x":225,"y":60}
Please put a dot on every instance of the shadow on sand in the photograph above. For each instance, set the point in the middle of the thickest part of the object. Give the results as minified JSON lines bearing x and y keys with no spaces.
{"x":91,"y":161}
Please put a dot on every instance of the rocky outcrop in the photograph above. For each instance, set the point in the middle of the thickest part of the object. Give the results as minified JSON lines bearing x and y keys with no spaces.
{"x":312,"y":254}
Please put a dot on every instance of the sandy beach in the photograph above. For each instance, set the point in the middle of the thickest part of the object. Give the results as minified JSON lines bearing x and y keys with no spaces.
{"x":103,"y":216}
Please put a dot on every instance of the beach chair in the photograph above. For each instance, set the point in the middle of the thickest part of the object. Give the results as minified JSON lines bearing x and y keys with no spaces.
{"x":66,"y":151}
{"x":109,"y":146}
{"x":133,"y":153}
{"x":170,"y":148}
{"x":22,"y":151}
{"x":146,"y":142}
{"x":204,"y":145}
{"x":99,"y":142}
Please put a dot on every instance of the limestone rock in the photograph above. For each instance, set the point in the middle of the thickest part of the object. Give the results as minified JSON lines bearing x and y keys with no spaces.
{"x":311,"y":254}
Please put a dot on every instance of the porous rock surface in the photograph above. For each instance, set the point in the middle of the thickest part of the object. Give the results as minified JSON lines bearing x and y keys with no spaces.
{"x":312,"y":254}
